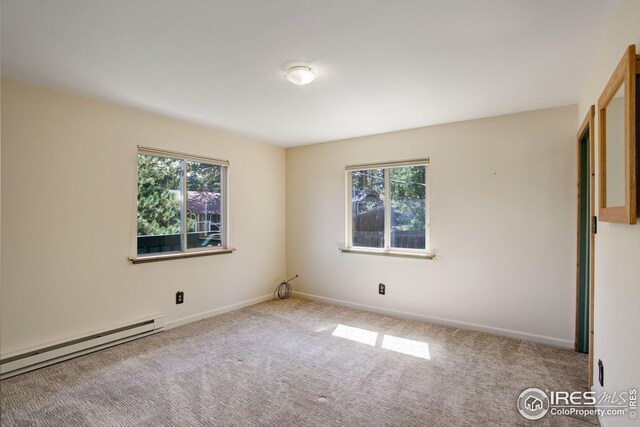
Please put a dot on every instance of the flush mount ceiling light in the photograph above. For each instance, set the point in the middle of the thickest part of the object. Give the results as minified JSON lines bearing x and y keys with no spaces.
{"x":300,"y":75}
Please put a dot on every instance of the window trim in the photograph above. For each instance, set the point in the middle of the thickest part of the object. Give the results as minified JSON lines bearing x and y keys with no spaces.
{"x":187,"y":252}
{"x":140,"y":259}
{"x":387,"y":250}
{"x":181,"y":156}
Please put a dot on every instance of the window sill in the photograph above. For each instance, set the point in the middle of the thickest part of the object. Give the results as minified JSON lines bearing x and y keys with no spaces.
{"x":419,"y":255}
{"x":165,"y":257}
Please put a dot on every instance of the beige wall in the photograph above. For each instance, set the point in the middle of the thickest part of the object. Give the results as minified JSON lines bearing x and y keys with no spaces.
{"x":617,"y":248}
{"x":68,"y":216}
{"x":502,"y":194}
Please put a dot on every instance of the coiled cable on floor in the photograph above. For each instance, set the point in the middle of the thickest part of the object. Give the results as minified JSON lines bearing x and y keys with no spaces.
{"x":283,"y":291}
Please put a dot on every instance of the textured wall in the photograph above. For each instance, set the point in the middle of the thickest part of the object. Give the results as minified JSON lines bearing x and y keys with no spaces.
{"x":69,"y":219}
{"x":502,"y":194}
{"x":617,"y":247}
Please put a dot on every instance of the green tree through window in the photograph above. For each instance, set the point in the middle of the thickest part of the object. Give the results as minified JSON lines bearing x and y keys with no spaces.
{"x":394,"y":220}
{"x":159,"y":185}
{"x":180,"y":203}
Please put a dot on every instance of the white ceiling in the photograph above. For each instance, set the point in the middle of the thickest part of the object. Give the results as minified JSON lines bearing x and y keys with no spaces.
{"x":382,"y":65}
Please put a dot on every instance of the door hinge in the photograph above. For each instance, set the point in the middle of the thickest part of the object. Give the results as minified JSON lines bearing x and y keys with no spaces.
{"x":595,"y":224}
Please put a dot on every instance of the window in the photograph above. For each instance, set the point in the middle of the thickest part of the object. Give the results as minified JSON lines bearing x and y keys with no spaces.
{"x":387,"y":207}
{"x":181,"y":204}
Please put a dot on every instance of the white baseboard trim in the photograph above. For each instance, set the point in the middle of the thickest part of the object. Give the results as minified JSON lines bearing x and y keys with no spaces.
{"x":441,"y":321}
{"x":158,"y":326}
{"x":598,"y":390}
{"x":217,"y":311}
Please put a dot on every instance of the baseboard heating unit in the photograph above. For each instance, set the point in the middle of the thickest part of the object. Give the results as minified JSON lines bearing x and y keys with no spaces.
{"x":18,"y":363}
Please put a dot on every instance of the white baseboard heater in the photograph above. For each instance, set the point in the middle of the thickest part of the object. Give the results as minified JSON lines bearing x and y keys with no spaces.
{"x":18,"y":363}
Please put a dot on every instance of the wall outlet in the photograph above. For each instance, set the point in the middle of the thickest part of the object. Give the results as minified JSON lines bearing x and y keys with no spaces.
{"x":179,"y":297}
{"x":381,"y":288}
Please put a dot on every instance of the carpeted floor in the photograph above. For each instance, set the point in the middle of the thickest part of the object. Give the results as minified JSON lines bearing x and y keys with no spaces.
{"x":295,"y":362}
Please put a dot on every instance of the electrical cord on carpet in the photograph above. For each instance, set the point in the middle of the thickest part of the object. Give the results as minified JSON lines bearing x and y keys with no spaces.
{"x":283,"y":291}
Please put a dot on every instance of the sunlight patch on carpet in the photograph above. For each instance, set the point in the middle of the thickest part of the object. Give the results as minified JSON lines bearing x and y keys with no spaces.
{"x":356,"y":334}
{"x":406,"y":346}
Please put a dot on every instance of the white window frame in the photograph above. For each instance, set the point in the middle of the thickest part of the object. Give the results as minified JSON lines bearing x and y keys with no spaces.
{"x":387,"y":250}
{"x":224,"y":208}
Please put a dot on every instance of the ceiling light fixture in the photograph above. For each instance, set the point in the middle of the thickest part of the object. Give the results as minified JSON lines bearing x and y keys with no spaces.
{"x":300,"y":75}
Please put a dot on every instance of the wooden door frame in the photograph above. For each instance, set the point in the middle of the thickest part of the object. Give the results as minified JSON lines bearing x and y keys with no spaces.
{"x":587,"y":125}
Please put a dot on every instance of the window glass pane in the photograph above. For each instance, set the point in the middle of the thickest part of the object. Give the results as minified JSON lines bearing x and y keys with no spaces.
{"x":367,"y":195}
{"x":159,"y":204}
{"x":408,"y":214}
{"x":204,"y":205}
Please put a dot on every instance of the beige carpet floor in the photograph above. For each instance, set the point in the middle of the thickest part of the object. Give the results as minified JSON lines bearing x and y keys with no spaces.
{"x":297,"y":362}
